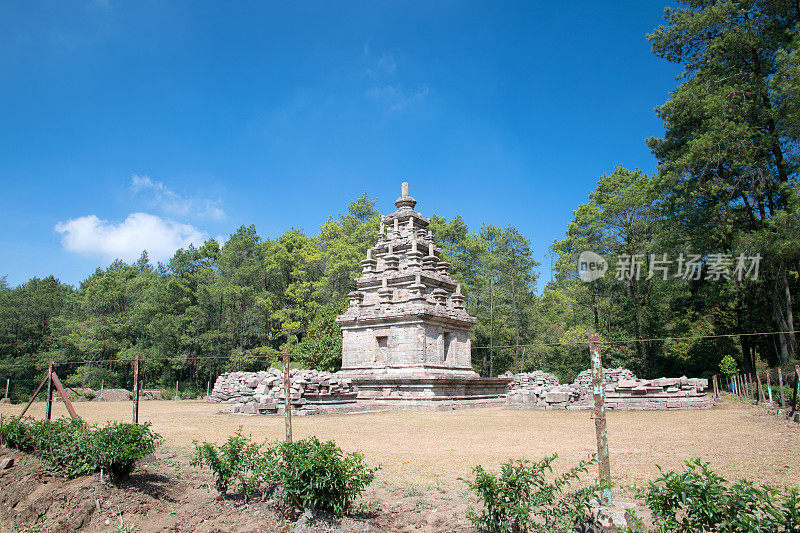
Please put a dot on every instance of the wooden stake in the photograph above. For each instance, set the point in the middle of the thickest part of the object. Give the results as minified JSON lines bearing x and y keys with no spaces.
{"x":794,"y":390}
{"x":716,"y":390}
{"x":135,"y":416}
{"x":780,"y":387}
{"x":102,"y":384}
{"x":287,"y":400}
{"x":49,"y":408}
{"x":208,"y":388}
{"x":769,"y":388}
{"x":63,"y":393}
{"x":176,"y":391}
{"x":604,"y":464}
{"x":8,"y":382}
{"x":759,"y":390}
{"x":36,"y":393}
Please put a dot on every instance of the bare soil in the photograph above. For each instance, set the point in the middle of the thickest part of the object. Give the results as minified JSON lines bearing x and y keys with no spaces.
{"x":422,"y":456}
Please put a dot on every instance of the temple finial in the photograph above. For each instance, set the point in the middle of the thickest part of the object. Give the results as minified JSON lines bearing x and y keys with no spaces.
{"x":405,"y":201}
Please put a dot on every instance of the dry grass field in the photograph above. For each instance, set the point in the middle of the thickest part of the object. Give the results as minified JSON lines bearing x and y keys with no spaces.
{"x":435,"y":448}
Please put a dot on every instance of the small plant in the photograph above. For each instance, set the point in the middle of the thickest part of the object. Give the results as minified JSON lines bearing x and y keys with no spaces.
{"x":238,"y":462}
{"x":728,"y":366}
{"x":118,"y":446}
{"x":697,"y":499}
{"x":319,"y":475}
{"x":520,"y":498}
{"x":306,"y":474}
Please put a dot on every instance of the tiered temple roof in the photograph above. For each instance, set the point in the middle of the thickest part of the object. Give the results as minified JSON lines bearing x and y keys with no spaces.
{"x":403,"y":275}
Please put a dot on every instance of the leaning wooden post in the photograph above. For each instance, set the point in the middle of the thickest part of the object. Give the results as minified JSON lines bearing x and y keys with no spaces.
{"x":780,"y":387}
{"x":739,"y":387}
{"x":600,"y":419}
{"x":136,"y":389}
{"x":49,"y":408}
{"x":287,"y":400}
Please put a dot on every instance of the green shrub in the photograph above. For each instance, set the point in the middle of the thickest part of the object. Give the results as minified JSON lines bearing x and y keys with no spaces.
{"x":118,"y":446}
{"x":520,"y":497}
{"x":14,"y":433}
{"x":66,"y":446}
{"x":320,"y":476}
{"x":728,"y":366}
{"x":239,"y":462}
{"x":74,"y":448}
{"x":697,"y":499}
{"x":307,"y":473}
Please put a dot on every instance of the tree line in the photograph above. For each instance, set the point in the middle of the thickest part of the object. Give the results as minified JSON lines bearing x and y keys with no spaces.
{"x":724,"y":198}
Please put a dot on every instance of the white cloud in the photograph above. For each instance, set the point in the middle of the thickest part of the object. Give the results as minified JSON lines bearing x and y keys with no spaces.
{"x":167,"y":199}
{"x":140,"y":231}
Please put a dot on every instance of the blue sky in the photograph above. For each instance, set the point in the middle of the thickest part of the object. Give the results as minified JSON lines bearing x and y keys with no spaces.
{"x":154,"y":124}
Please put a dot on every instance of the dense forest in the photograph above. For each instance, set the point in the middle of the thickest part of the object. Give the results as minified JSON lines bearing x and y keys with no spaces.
{"x":725,"y":189}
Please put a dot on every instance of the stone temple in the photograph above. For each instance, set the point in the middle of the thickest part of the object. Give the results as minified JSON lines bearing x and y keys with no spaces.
{"x":406,"y":335}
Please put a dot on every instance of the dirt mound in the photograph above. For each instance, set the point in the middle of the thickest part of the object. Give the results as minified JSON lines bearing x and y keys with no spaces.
{"x":166,"y":494}
{"x":114,"y":395}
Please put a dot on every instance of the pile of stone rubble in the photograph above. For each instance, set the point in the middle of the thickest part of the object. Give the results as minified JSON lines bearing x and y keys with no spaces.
{"x":539,"y":389}
{"x":623,"y":391}
{"x":310,"y":392}
{"x":319,"y":392}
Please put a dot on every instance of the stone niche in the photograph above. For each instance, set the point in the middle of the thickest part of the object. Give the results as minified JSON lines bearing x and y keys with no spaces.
{"x":406,"y":333}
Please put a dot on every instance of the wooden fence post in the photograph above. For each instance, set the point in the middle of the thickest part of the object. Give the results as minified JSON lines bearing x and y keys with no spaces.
{"x":740,"y":385}
{"x":769,"y":387}
{"x":716,"y":390}
{"x":102,"y":385}
{"x":208,"y":388}
{"x":780,"y":386}
{"x":794,"y":390}
{"x":287,"y":400}
{"x":759,"y":390}
{"x":136,"y":389}
{"x":8,"y":382}
{"x":176,"y":391}
{"x":49,"y":408}
{"x":604,"y":463}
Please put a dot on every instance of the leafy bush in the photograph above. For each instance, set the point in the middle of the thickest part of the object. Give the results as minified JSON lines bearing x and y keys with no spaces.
{"x":118,"y":446}
{"x":728,"y":366}
{"x":307,"y":473}
{"x":239,"y":462}
{"x":74,"y":448}
{"x":697,"y":499}
{"x":318,"y":475}
{"x":520,"y":498}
